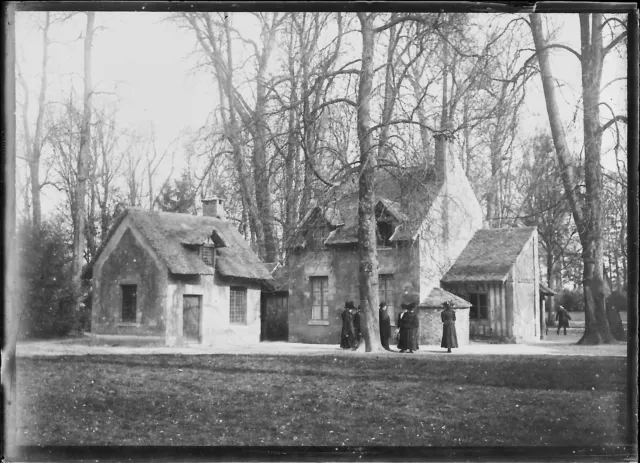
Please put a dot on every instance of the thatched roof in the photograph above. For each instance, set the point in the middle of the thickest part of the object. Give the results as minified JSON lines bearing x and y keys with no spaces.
{"x":489,"y":255}
{"x":175,"y":237}
{"x":404,"y":194}
{"x":438,"y":296}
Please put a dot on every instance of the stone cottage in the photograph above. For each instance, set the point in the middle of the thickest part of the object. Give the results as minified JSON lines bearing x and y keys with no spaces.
{"x":426,"y":216}
{"x":178,"y":277}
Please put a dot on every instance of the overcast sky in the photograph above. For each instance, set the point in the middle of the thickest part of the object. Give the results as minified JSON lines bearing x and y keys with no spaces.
{"x":146,"y":62}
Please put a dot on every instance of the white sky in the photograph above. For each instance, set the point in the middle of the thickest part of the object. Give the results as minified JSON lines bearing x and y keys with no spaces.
{"x":144,"y":60}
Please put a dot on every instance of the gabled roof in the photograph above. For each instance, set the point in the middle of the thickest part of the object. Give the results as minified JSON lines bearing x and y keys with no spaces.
{"x":175,"y":237}
{"x":545,"y":290}
{"x":489,"y":255}
{"x":438,"y":296}
{"x":404,"y":193}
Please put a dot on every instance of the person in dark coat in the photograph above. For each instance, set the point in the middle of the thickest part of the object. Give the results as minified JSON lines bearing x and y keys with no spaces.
{"x":449,"y":336}
{"x":347,"y":338}
{"x":562,"y":317}
{"x":385,"y":325}
{"x":357,"y":317}
{"x":415,"y":328}
{"x":403,"y":310}
{"x":407,"y":323}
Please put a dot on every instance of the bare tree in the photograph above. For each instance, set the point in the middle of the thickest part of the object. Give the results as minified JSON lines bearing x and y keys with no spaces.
{"x":82,"y":170}
{"x":34,"y":144}
{"x":587,"y":212}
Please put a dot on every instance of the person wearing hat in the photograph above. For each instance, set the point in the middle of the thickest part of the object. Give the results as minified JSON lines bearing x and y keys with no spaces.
{"x":407,"y":329}
{"x":347,"y":337}
{"x":449,"y":336}
{"x":385,"y":325}
{"x":562,"y":317}
{"x":357,"y":328}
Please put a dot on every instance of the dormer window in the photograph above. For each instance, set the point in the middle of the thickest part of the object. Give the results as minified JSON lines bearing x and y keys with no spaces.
{"x":384,"y":233}
{"x":207,"y":254}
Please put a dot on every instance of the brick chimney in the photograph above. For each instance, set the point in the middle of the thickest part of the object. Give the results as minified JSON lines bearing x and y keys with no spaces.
{"x":212,"y":207}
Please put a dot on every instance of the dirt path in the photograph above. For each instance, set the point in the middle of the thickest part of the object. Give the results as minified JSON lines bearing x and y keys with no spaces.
{"x":553,"y":344}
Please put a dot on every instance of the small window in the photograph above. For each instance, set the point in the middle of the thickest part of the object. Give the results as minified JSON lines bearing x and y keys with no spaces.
{"x":207,"y":253}
{"x":320,"y":303}
{"x":385,"y":293}
{"x":479,"y":306}
{"x":129,"y":303}
{"x":238,"y":305}
{"x":384,"y":233}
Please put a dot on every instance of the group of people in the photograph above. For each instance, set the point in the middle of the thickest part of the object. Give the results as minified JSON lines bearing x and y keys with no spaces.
{"x":407,"y":326}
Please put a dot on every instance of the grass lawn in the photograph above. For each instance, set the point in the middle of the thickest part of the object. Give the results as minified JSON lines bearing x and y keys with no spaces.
{"x":322,"y":400}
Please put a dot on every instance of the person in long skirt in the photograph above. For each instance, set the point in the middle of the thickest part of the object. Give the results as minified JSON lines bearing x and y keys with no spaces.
{"x":403,"y":310}
{"x":357,"y":327}
{"x":385,"y":325}
{"x":449,"y":336}
{"x":407,"y":326}
{"x":348,"y":336}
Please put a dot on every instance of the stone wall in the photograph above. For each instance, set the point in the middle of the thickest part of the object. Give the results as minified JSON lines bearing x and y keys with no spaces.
{"x":128,"y":260}
{"x":430,"y":331}
{"x":340,"y":265}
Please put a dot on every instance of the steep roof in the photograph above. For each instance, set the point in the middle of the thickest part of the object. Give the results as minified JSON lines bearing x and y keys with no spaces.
{"x":489,"y":255}
{"x":406,"y":194}
{"x":173,"y":237}
{"x":438,"y":296}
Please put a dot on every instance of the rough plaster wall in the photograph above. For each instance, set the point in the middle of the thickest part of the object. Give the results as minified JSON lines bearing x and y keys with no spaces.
{"x":431,"y":326}
{"x":525,"y":279}
{"x":442,"y":243}
{"x":127,"y":259}
{"x":341,"y":266}
{"x":215,"y":328}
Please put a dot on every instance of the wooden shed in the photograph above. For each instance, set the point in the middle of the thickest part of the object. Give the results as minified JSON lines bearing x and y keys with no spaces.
{"x":499,"y":274}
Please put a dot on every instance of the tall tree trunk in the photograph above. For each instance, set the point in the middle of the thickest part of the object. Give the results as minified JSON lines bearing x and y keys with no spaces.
{"x":82,"y":172}
{"x":233,"y":134}
{"x":291,"y":198}
{"x":34,"y":146}
{"x":367,"y":242}
{"x":588,"y":218}
{"x":11,"y":282}
{"x":259,"y":132}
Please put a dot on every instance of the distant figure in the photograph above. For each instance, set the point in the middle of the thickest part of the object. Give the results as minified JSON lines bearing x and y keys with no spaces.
{"x":449,"y":336}
{"x":385,"y":325}
{"x":356,"y":325}
{"x":407,"y":327}
{"x":562,"y":317}
{"x":347,"y":338}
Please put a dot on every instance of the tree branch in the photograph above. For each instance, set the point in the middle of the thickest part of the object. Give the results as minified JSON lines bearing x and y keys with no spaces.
{"x":613,"y":43}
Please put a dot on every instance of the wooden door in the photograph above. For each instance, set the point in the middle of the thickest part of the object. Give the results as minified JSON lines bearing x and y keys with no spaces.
{"x":277,"y":319}
{"x":191,"y":313}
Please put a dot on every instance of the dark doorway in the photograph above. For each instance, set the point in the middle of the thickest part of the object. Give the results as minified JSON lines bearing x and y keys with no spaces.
{"x":191,"y":313}
{"x":276,"y":317}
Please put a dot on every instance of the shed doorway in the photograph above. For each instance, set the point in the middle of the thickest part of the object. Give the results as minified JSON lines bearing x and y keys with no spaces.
{"x":191,"y":316}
